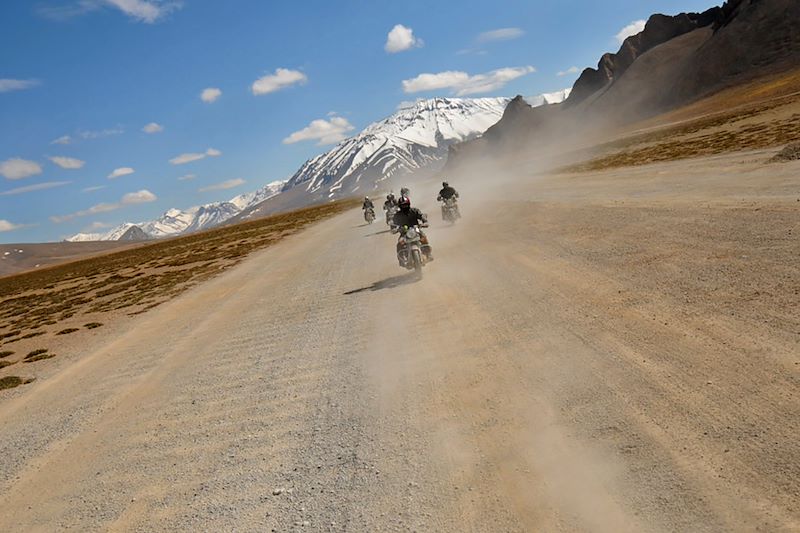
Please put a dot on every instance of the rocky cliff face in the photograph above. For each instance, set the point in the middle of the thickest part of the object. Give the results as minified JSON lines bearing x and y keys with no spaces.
{"x":738,"y":31}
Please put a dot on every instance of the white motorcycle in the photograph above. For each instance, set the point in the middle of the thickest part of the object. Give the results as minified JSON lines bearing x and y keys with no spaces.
{"x":369,"y":215}
{"x":411,"y":248}
{"x":450,"y":212}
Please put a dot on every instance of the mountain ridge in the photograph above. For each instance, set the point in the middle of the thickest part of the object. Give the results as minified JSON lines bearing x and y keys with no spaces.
{"x":416,"y":137}
{"x":182,"y":221}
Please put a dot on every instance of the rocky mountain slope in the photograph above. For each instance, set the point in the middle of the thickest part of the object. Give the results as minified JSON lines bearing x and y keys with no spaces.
{"x":414,"y":139}
{"x":673,"y":62}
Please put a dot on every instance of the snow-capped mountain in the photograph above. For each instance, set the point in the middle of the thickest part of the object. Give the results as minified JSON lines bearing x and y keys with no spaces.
{"x":548,"y":98}
{"x":177,"y":221}
{"x":414,"y":137}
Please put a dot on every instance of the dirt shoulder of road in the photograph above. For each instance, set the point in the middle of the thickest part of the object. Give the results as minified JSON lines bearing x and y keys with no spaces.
{"x":43,"y":310}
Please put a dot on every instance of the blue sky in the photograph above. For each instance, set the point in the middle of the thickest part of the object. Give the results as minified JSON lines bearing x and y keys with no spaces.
{"x":80,"y":79}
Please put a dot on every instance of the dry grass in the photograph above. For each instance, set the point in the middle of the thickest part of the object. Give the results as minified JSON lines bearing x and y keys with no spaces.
{"x":758,"y":124}
{"x":135,"y":280}
{"x":9,"y":382}
{"x":38,"y":355}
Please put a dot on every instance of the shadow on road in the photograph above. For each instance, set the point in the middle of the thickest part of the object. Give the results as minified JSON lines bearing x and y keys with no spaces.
{"x":378,"y":233}
{"x":388,"y":283}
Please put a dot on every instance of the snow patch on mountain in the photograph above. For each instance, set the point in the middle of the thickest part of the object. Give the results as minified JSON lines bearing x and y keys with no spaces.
{"x":548,"y":98}
{"x":414,"y":137}
{"x":177,"y":221}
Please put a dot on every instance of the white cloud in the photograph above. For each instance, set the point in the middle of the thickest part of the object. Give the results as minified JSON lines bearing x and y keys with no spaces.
{"x":432,"y":82}
{"x":101,"y":133}
{"x":187,"y":177}
{"x":16,"y":168}
{"x":188,"y":158}
{"x":570,"y":70}
{"x":88,"y":134}
{"x":69,"y":163}
{"x":94,"y":188}
{"x":282,"y":79}
{"x":462,"y":83}
{"x":5,"y":225}
{"x":131,"y":198}
{"x":94,"y":226}
{"x":119,"y":172}
{"x":230,"y":184}
{"x":8,"y":85}
{"x":138,"y":197}
{"x":325,"y":131}
{"x":153,"y":127}
{"x":401,"y":38}
{"x":501,"y":34}
{"x":36,"y":187}
{"x":210,"y":95}
{"x":631,"y":29}
{"x":148,"y":11}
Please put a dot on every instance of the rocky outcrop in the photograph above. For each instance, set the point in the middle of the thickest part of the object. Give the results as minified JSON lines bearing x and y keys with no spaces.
{"x":134,"y":233}
{"x":658,"y":30}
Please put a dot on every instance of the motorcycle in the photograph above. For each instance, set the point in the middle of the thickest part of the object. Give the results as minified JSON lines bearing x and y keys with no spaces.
{"x":450,"y":212}
{"x":411,"y":250}
{"x":369,"y":215}
{"x":390,"y":212}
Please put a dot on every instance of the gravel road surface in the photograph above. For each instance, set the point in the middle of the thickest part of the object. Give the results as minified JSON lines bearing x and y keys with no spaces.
{"x":565,"y":365}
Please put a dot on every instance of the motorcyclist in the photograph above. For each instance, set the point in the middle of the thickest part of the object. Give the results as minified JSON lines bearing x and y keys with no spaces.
{"x":446,"y":194}
{"x":367,"y":204}
{"x":389,"y":206}
{"x":408,"y":216}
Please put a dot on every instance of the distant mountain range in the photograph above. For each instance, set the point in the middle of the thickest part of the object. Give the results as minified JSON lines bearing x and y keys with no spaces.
{"x":176,"y":221}
{"x":416,"y":137}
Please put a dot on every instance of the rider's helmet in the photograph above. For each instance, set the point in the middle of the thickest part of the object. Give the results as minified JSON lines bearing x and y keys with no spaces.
{"x":445,"y":184}
{"x":404,"y":203}
{"x":390,"y":197}
{"x":366,"y":198}
{"x":404,"y":191}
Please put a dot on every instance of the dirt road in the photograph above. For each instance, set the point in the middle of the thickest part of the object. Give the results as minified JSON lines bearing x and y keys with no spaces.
{"x":627,"y":363}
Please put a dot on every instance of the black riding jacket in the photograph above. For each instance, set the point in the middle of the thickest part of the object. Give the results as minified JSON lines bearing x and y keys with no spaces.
{"x":448,"y":192}
{"x":412,"y":217}
{"x":368,"y":204}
